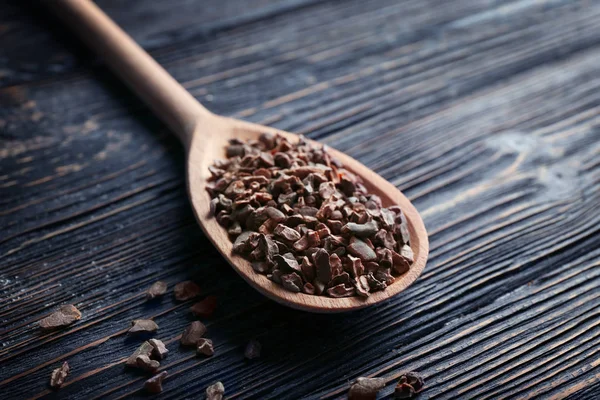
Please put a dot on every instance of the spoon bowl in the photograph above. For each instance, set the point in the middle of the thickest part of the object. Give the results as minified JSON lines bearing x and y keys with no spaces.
{"x":205,"y":137}
{"x":209,"y":142}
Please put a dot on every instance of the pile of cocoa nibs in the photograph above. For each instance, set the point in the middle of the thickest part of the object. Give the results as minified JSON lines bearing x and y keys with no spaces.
{"x":310,"y":225}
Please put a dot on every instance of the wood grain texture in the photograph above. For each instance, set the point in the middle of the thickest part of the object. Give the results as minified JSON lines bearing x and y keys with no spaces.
{"x":485,"y":113}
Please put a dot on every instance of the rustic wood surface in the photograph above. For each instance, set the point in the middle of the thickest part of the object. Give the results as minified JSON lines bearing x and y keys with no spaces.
{"x":484,"y":113}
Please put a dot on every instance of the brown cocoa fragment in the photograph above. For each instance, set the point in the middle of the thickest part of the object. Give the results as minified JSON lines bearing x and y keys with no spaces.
{"x":234,"y":229}
{"x":262,"y":267}
{"x":235,"y":150}
{"x":215,"y":391}
{"x":319,"y":287}
{"x":340,"y":291}
{"x":243,"y":242}
{"x":58,"y":376}
{"x":407,"y":253}
{"x":282,"y":160}
{"x":139,"y":326}
{"x":375,"y":284}
{"x":402,"y":233}
{"x":64,"y":316}
{"x":292,"y":282}
{"x":308,"y":269}
{"x":354,"y":266}
{"x":361,"y":285}
{"x":404,"y":391}
{"x":286,"y":233}
{"x":341,"y":279}
{"x":336,"y":265}
{"x":287,"y":263}
{"x":253,"y":349}
{"x":361,"y":230}
{"x":366,"y":388}
{"x":326,"y":190}
{"x":186,"y":290}
{"x":159,"y":350}
{"x":384,"y":257}
{"x":268,"y":227}
{"x":144,"y":362}
{"x":335,"y":226}
{"x":267,"y":140}
{"x":383,"y":275}
{"x":145,"y":349}
{"x":154,"y":384}
{"x":205,"y":347}
{"x":322,"y":263}
{"x":413,"y":379}
{"x":308,"y":288}
{"x":157,"y":289}
{"x":301,"y":244}
{"x":362,"y":250}
{"x":204,"y":308}
{"x":275,"y":276}
{"x":193,"y":333}
{"x":385,"y":238}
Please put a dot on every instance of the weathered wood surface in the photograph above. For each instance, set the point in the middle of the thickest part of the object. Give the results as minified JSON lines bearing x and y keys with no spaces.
{"x":485,"y":113}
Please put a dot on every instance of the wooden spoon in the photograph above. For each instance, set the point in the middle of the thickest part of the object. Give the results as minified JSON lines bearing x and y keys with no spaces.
{"x":205,"y":136}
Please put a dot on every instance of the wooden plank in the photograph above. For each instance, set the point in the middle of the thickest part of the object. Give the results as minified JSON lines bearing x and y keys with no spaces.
{"x":485,"y":114}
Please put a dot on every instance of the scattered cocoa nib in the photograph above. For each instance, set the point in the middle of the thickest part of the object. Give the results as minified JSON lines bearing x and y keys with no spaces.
{"x":145,"y":349}
{"x":58,"y":376}
{"x":154,"y":384}
{"x":253,"y":349}
{"x":159,"y":350}
{"x":205,"y":347}
{"x":303,"y":220}
{"x":409,"y":385}
{"x":186,"y":290}
{"x":142,"y":326}
{"x":193,"y":333}
{"x":204,"y":308}
{"x":157,"y":289}
{"x":215,"y":391}
{"x":144,"y":362}
{"x":64,"y":316}
{"x":366,"y":388}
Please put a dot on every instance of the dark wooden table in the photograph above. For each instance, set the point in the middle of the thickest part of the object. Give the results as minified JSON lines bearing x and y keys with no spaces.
{"x":485,"y":113}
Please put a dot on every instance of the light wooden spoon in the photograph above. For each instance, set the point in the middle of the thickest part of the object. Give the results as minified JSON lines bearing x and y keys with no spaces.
{"x":205,"y":136}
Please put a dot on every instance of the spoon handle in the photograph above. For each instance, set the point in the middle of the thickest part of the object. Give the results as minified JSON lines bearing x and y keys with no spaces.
{"x":159,"y":90}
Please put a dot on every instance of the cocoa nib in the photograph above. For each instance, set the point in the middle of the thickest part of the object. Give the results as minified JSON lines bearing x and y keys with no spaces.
{"x":215,"y":391}
{"x":362,"y":250}
{"x":157,"y":289}
{"x":286,"y":233}
{"x":204,"y":308}
{"x":366,"y":388}
{"x":145,"y":349}
{"x":205,"y":347}
{"x":58,"y":376}
{"x":159,"y":350}
{"x":303,"y":220}
{"x":253,"y":349}
{"x":144,"y":362}
{"x":154,"y":384}
{"x":365,"y":230}
{"x":409,"y":385}
{"x":193,"y":333}
{"x":64,"y":316}
{"x":142,"y":326}
{"x":186,"y":290}
{"x":292,"y":282}
{"x":323,"y":265}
